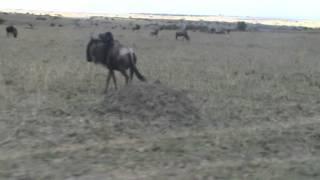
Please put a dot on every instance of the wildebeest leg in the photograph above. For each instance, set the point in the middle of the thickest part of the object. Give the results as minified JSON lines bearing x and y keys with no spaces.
{"x":114,"y":79}
{"x":133,"y":61}
{"x":124,"y":73}
{"x":108,"y":80}
{"x":131,"y":74}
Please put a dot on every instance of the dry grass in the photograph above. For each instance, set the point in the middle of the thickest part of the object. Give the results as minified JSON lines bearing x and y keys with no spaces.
{"x":259,"y":94}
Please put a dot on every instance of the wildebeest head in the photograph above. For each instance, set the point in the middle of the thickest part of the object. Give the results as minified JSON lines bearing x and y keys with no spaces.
{"x":107,"y":38}
{"x":97,"y":49}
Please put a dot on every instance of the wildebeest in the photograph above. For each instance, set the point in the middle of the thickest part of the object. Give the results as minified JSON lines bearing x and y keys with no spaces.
{"x":30,"y":26}
{"x":12,"y":30}
{"x":155,"y":32}
{"x":222,"y":31}
{"x":211,"y":30}
{"x":183,"y":34}
{"x":136,"y":27}
{"x":114,"y":56}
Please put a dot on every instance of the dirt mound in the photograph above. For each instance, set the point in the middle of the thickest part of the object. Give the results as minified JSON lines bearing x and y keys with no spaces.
{"x":152,"y":104}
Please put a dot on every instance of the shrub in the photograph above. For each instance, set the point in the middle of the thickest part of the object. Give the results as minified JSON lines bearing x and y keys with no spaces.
{"x":242,"y":26}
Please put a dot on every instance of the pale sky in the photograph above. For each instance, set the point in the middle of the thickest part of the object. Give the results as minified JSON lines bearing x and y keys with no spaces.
{"x":291,"y":9}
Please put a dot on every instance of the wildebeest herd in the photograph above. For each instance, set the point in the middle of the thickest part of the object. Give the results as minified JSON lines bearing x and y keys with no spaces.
{"x":110,"y":53}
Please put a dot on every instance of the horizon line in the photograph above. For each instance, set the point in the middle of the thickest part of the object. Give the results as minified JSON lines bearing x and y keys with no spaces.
{"x":244,"y":17}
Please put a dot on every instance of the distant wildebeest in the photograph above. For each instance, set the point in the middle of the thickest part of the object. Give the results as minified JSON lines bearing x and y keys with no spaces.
{"x":222,"y":31}
{"x":114,"y":56}
{"x":94,"y":23}
{"x":183,"y":34}
{"x":12,"y":30}
{"x":136,"y":27}
{"x":30,"y":26}
{"x":155,"y":32}
{"x":211,"y":30}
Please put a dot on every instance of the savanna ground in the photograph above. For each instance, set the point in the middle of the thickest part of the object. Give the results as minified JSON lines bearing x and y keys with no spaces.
{"x":258,"y":96}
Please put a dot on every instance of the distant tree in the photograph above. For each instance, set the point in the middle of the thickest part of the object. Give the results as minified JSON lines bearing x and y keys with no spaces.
{"x":242,"y":26}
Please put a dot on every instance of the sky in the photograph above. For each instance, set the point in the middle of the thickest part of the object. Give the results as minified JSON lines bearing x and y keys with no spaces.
{"x":286,"y":9}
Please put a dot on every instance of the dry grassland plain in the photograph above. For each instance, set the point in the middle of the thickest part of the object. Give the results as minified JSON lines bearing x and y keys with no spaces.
{"x":258,"y":94}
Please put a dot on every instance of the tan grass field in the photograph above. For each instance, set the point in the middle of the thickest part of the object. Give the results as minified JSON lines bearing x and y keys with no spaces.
{"x":258,"y":93}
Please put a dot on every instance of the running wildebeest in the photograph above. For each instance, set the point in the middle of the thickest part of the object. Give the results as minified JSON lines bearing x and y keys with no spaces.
{"x":183,"y":34}
{"x":114,"y":56}
{"x":12,"y":30}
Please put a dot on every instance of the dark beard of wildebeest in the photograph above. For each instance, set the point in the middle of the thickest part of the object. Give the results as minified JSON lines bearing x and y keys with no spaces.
{"x":12,"y":30}
{"x":183,"y":34}
{"x":114,"y":56}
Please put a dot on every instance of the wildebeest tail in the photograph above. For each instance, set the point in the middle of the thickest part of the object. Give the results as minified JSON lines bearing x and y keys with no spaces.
{"x":133,"y":60}
{"x":89,"y":58}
